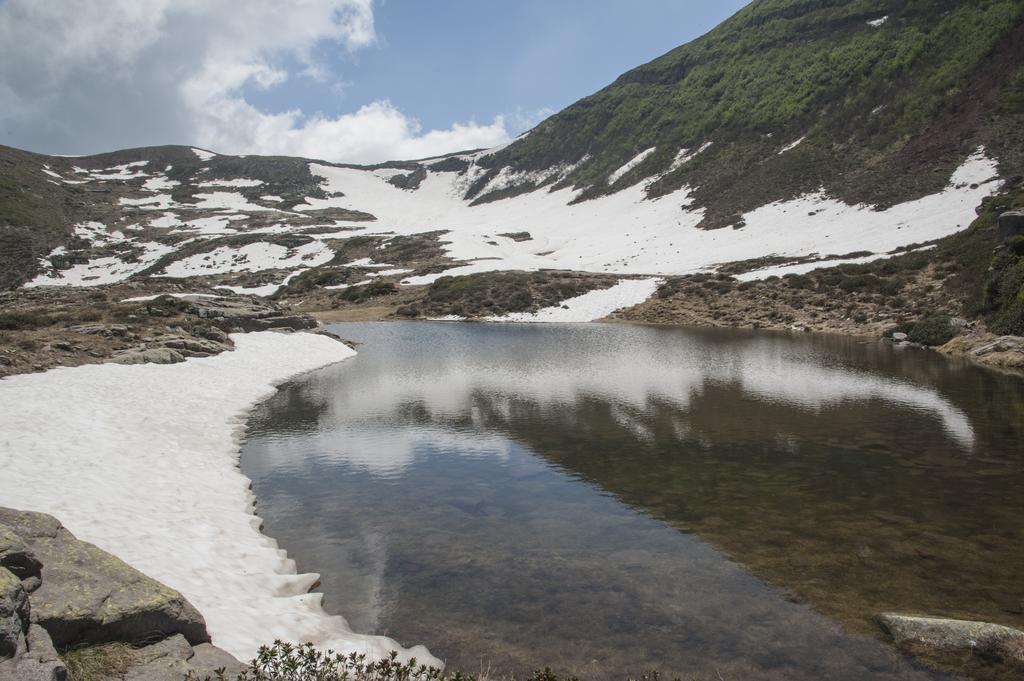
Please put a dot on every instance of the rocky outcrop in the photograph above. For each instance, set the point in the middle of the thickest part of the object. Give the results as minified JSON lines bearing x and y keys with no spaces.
{"x":57,"y":592}
{"x":149,"y":356}
{"x":26,"y":650}
{"x":1011,"y":224}
{"x":1003,"y":352}
{"x":90,"y":596}
{"x":992,"y":641}
{"x":174,"y":659}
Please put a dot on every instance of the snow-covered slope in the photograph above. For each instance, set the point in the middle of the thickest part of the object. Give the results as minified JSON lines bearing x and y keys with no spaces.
{"x":236,"y":223}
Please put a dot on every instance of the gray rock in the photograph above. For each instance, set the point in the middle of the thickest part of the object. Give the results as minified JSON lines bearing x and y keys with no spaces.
{"x":192,"y":345}
{"x":899,"y":336}
{"x":14,"y":614}
{"x":994,"y":640}
{"x":1011,"y":224}
{"x":16,"y":557}
{"x":1001,"y":344}
{"x":210,"y":333}
{"x":151,"y":356}
{"x":209,"y":658}
{"x":173,"y":647}
{"x":173,"y":658}
{"x":88,"y":596}
{"x":41,"y":662}
{"x":295,"y":322}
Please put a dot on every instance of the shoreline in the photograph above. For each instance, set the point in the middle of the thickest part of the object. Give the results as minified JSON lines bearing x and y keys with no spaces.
{"x":162,"y":446}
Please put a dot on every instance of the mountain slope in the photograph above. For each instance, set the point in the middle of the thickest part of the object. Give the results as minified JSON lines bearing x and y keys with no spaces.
{"x":876,"y":100}
{"x":821,"y":131}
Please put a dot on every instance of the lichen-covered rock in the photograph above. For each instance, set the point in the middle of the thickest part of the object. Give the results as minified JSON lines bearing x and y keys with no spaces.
{"x":150,"y":356}
{"x":90,"y":596}
{"x":16,"y":557}
{"x":208,"y":658}
{"x":14,"y":614}
{"x":40,"y":662}
{"x":173,"y":659}
{"x":949,"y":635}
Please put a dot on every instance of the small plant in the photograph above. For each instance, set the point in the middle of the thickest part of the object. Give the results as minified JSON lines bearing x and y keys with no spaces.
{"x":934,"y":330}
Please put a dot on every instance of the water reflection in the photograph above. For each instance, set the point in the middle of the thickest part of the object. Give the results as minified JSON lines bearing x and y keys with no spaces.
{"x":513,"y":496}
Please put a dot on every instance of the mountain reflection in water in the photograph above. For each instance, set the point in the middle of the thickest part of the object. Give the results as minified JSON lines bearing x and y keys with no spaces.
{"x":575,"y":496}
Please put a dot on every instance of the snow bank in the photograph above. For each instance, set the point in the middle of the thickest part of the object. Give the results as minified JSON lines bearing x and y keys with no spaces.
{"x":142,"y":461}
{"x":630,"y":164}
{"x":627,"y":233}
{"x":591,"y":305}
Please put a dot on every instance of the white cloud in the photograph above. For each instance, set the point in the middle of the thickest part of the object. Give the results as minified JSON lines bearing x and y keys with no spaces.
{"x":91,"y":75}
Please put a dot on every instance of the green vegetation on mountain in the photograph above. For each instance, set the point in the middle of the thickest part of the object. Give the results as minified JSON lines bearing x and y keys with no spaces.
{"x":885,"y":111}
{"x":32,"y":215}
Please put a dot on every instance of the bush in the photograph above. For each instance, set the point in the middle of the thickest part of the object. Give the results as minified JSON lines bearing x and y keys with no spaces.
{"x":22,"y":321}
{"x":287,"y":662}
{"x":935,"y":330}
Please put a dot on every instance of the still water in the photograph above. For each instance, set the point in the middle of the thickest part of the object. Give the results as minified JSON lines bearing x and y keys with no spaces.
{"x":608,"y":499}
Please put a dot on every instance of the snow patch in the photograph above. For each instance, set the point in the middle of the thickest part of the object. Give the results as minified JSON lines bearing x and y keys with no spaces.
{"x":630,"y":164}
{"x":143,"y":462}
{"x":591,"y":305}
{"x":237,"y":182}
{"x":791,"y":146}
{"x":878,"y":22}
{"x":684,"y":156}
{"x":253,"y":257}
{"x":203,"y":154}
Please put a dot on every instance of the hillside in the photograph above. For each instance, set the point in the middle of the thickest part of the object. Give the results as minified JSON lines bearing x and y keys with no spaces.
{"x":877,"y":101}
{"x":822,"y":132}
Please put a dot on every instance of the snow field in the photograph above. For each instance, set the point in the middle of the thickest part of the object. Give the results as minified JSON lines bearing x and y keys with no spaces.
{"x":142,"y":460}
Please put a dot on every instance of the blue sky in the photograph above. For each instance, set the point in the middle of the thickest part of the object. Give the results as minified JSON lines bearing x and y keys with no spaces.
{"x":459,"y":60}
{"x":344,"y":80}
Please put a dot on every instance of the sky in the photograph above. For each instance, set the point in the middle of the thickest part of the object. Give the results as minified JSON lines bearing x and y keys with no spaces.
{"x":358,"y":81}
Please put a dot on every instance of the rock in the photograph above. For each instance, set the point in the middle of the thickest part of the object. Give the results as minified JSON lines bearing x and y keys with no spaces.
{"x":173,"y":647}
{"x":151,"y":356}
{"x":208,"y":658}
{"x":173,"y":659}
{"x":88,"y":596}
{"x":41,"y":661}
{"x":194,"y":345}
{"x":16,"y":557}
{"x":949,"y":635}
{"x":1011,"y":224}
{"x":210,"y":333}
{"x":14,"y":614}
{"x":295,"y":322}
{"x":899,"y":336}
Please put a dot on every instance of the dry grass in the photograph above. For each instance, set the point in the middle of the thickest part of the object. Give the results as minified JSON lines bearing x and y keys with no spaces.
{"x":98,"y":663}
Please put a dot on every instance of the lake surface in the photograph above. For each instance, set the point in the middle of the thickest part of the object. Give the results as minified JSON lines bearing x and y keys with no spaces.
{"x":608,"y":499}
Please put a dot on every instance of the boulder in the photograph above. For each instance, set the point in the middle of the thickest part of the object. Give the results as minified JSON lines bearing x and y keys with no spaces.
{"x":16,"y":557}
{"x":1011,"y":224}
{"x":150,"y":356}
{"x":14,"y":614}
{"x":173,"y":659}
{"x":295,"y":322}
{"x":40,"y":662}
{"x":948,"y":635}
{"x":88,"y":596}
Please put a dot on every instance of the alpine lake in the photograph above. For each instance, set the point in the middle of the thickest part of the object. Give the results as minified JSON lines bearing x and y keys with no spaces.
{"x":608,"y":499}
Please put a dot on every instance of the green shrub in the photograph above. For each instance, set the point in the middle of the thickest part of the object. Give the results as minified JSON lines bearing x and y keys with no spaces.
{"x":934,"y":330}
{"x":359,"y":294}
{"x":287,"y":662}
{"x":800,"y":281}
{"x":23,"y":321}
